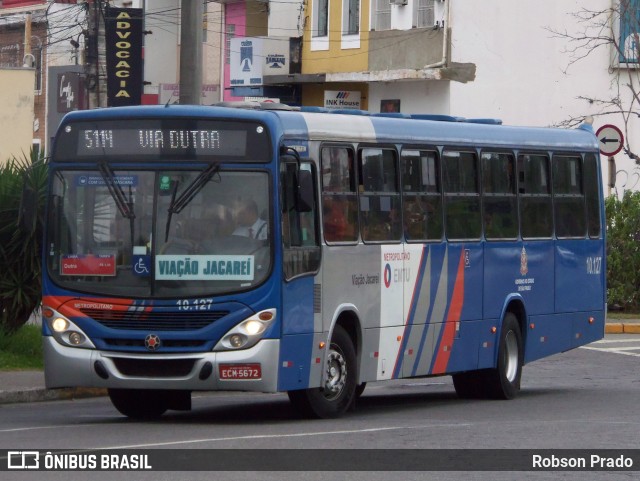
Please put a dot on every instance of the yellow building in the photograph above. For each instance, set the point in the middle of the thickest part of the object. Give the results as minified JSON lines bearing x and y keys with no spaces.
{"x":375,"y":55}
{"x":336,"y":40}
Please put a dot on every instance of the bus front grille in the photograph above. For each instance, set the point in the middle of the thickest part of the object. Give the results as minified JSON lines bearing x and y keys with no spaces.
{"x":170,"y":343}
{"x":156,"y":320}
{"x":154,"y":367}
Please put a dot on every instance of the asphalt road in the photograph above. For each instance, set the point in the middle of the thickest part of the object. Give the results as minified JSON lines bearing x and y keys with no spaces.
{"x":583,"y":399}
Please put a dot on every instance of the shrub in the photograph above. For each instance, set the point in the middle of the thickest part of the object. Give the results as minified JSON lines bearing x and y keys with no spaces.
{"x":20,"y":242}
{"x":623,"y":250}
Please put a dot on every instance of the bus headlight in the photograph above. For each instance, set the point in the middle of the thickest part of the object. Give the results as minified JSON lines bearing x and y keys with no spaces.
{"x":66,"y":332}
{"x":254,"y":327}
{"x":76,"y":338}
{"x":59,"y":324}
{"x":248,"y":332}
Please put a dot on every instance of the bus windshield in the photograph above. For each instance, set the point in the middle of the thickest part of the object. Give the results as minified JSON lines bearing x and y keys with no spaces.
{"x":169,"y":233}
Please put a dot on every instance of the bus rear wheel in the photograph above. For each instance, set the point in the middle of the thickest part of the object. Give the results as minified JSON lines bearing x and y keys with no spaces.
{"x":140,"y":403}
{"x":503,"y":381}
{"x":469,"y":385}
{"x":334,"y":398}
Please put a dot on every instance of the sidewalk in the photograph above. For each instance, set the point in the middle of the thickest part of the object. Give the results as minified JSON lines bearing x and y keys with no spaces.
{"x":28,"y":386}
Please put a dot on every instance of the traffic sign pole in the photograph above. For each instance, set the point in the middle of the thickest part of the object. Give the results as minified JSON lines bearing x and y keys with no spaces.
{"x":612,"y":173}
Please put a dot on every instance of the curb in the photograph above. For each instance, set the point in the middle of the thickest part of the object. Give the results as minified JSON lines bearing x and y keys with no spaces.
{"x":621,"y":328}
{"x":40,"y":394}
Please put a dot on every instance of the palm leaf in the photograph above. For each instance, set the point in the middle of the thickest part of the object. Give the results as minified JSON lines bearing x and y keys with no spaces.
{"x":20,"y":248}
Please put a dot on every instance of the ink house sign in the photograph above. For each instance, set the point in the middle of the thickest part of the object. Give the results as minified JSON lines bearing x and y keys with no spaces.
{"x":123,"y":32}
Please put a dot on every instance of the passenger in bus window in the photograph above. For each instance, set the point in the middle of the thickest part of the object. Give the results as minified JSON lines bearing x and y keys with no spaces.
{"x":337,"y":227}
{"x":249,"y":222}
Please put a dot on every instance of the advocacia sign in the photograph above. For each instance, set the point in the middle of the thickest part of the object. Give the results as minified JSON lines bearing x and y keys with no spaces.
{"x":123,"y":34}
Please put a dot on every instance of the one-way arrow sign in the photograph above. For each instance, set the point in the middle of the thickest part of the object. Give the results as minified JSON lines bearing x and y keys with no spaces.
{"x":610,"y":138}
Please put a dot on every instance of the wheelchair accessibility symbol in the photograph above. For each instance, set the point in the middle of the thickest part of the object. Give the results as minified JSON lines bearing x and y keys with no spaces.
{"x":141,"y":265}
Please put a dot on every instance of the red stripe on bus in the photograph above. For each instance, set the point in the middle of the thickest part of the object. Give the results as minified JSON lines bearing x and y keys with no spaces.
{"x":57,"y":302}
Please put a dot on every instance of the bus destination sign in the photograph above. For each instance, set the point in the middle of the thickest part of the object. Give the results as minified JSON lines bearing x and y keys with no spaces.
{"x":159,"y":141}
{"x":156,"y":139}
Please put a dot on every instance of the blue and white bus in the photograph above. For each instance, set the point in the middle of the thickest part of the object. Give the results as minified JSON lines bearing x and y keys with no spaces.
{"x":388,"y":247}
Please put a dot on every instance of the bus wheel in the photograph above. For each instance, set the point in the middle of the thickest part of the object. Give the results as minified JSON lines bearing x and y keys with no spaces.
{"x":334,"y":398}
{"x":360,"y":389}
{"x":139,"y":403}
{"x":469,"y":385}
{"x":503,"y":382}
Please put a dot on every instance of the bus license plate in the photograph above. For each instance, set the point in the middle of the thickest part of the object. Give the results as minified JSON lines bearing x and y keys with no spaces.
{"x":240,"y":371}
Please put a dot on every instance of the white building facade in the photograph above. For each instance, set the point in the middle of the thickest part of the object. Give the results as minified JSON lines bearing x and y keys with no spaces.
{"x":527,"y":71}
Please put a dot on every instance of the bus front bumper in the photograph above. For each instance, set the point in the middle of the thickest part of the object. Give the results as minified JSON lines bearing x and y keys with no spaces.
{"x":254,"y":369}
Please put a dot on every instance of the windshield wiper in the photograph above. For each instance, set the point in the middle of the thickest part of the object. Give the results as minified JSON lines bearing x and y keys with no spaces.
{"x":188,"y":194}
{"x":115,"y":189}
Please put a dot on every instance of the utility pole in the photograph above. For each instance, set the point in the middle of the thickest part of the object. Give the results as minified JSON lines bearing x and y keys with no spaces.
{"x":92,"y":57}
{"x":27,"y":42}
{"x":191,"y":51}
{"x":95,"y":43}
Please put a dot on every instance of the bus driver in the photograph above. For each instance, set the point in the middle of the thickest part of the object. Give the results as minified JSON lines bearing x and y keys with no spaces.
{"x":249,"y":222}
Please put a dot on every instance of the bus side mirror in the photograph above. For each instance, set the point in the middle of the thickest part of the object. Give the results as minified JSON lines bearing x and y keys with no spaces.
{"x":304,"y":200}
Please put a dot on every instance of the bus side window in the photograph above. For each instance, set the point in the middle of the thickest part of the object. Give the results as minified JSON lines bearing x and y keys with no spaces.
{"x":536,"y":219}
{"x":421,"y":196}
{"x":462,"y":196}
{"x":299,"y":229}
{"x":379,"y":195}
{"x":569,"y":205}
{"x":500,"y":214}
{"x":339,"y":197}
{"x":592,"y":195}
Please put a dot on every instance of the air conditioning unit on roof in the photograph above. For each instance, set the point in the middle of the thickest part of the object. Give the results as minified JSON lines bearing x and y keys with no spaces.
{"x":400,"y":3}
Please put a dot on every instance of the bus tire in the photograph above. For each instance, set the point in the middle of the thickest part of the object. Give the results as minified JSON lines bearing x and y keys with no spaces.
{"x":503,"y":382}
{"x":469,"y":385}
{"x":360,"y":389}
{"x":140,"y":403}
{"x":335,"y":397}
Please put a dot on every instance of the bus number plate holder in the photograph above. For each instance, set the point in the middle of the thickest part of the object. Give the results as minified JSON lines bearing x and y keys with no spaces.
{"x":240,"y":371}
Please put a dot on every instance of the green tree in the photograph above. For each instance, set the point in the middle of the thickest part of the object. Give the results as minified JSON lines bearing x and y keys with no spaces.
{"x":21,"y":239}
{"x":623,"y":250}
